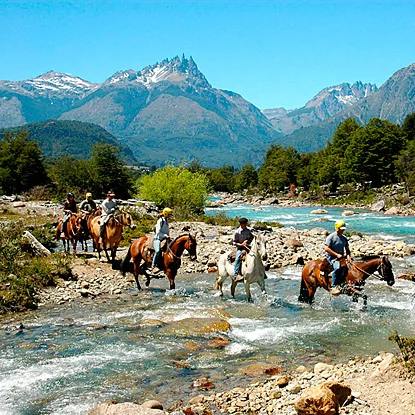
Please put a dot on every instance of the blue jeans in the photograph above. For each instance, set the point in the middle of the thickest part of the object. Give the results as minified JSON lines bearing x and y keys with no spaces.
{"x":156,"y":243}
{"x":237,"y":262}
{"x":336,"y":276}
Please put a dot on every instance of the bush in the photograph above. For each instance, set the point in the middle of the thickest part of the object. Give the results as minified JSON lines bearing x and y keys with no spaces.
{"x":177,"y":188}
{"x":407,"y":347}
{"x":21,"y":275}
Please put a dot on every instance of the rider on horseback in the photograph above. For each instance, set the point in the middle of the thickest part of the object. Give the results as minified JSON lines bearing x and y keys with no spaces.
{"x":336,"y":245}
{"x":241,"y":239}
{"x":162,"y":232}
{"x":108,"y":209}
{"x":69,"y":208}
{"x":88,"y":205}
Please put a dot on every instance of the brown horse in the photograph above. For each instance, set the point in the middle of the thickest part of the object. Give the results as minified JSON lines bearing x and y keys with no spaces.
{"x":171,"y":259}
{"x":357,"y":273}
{"x":71,"y":232}
{"x":113,"y":233}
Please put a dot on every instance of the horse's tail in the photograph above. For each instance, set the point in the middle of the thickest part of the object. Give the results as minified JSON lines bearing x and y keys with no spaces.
{"x":125,"y":261}
{"x":304,"y":296}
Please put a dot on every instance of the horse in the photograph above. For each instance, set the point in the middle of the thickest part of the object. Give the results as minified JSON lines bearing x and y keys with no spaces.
{"x":170,"y":259}
{"x":113,"y":233}
{"x":71,"y":232}
{"x":358,"y":271}
{"x":253,"y":269}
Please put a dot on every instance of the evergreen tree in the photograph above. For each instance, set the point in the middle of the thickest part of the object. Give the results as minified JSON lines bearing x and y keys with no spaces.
{"x":246,"y":178}
{"x":108,"y":171}
{"x":21,"y":163}
{"x":279,"y":168}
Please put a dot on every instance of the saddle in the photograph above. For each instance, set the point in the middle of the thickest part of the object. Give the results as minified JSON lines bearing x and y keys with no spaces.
{"x":150,"y":243}
{"x":232,"y":256}
{"x":326,"y":268}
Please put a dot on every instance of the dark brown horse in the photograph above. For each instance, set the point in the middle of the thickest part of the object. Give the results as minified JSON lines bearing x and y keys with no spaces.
{"x":71,"y":232}
{"x":171,"y":258}
{"x":357,"y":273}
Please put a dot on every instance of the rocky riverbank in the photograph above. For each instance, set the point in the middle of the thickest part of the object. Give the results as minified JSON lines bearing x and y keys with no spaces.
{"x":374,"y":386}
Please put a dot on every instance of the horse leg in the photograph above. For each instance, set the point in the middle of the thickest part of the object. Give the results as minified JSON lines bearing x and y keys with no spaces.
{"x":233,"y":286}
{"x":136,"y":272}
{"x":171,"y":276}
{"x":306,"y":292}
{"x":262,"y":286}
{"x":248,"y":291}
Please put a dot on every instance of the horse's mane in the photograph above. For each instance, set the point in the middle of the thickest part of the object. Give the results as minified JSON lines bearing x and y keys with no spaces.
{"x":367,"y":257}
{"x":180,"y":236}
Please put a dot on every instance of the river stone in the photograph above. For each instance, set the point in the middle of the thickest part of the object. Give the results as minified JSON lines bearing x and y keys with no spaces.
{"x":19,"y":204}
{"x":150,"y":322}
{"x":393,"y":211}
{"x":152,"y":404}
{"x":322,"y":367}
{"x":113,"y":408}
{"x":282,"y":380}
{"x":294,"y":243}
{"x":317,"y":400}
{"x":377,"y":207}
{"x":195,"y":326}
{"x":260,"y":369}
{"x":319,"y":212}
{"x":191,"y":346}
{"x":348,"y":213}
{"x":318,"y":231}
{"x":218,"y":343}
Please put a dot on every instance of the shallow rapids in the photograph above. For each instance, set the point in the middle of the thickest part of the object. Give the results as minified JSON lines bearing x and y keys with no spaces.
{"x":66,"y":359}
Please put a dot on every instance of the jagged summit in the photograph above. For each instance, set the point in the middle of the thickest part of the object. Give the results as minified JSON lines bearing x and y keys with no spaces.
{"x":174,"y":70}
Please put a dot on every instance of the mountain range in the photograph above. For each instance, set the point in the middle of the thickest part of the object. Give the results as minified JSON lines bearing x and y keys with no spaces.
{"x":169,"y":112}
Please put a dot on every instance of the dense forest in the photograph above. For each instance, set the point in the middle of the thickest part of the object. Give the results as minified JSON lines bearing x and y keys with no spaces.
{"x":374,"y":155}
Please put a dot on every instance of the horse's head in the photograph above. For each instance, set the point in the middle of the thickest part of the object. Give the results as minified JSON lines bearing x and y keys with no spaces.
{"x":385,"y":270}
{"x":127,"y":220}
{"x":190,"y":246}
{"x":261,"y":245}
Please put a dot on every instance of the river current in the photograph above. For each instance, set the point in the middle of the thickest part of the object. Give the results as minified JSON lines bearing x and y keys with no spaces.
{"x":67,"y":359}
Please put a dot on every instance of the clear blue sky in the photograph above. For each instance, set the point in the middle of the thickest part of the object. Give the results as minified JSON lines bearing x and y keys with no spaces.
{"x":274,"y":53}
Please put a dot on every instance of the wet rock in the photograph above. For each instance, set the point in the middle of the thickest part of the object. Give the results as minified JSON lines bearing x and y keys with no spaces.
{"x":152,"y":404}
{"x":392,"y":211}
{"x":114,"y":408}
{"x":202,"y":383}
{"x":348,"y":213}
{"x":319,"y":212}
{"x":191,"y":346}
{"x":260,"y":369}
{"x":195,"y":326}
{"x":180,"y":364}
{"x":218,"y":343}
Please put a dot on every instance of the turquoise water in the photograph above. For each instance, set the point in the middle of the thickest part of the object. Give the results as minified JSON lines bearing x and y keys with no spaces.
{"x":368,"y":222}
{"x":67,"y":359}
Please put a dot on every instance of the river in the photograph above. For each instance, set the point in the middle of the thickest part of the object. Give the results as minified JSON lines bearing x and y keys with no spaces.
{"x":66,"y":359}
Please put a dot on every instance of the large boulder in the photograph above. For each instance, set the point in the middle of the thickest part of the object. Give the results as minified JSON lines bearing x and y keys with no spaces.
{"x":324,"y":399}
{"x":127,"y":408}
{"x":378,"y":206}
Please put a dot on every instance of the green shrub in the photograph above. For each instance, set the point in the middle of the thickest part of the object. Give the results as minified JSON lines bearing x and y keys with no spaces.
{"x":407,"y":347}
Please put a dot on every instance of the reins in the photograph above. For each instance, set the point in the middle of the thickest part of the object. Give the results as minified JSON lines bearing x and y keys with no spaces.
{"x":368,"y":273}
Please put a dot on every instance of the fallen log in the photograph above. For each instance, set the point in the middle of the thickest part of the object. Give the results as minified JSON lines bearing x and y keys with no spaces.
{"x":34,"y":245}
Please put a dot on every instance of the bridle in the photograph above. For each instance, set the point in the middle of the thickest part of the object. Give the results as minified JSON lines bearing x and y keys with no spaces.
{"x":379,"y":269}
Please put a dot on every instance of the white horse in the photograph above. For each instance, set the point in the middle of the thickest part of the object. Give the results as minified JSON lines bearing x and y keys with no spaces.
{"x":252,"y":269}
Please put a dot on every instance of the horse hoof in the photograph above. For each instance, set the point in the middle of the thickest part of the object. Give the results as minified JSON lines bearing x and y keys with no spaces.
{"x":147,"y":283}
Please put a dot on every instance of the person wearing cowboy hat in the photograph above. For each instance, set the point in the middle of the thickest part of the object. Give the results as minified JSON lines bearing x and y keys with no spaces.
{"x":241,"y":239}
{"x":108,"y":207}
{"x":162,"y":232}
{"x":336,"y":245}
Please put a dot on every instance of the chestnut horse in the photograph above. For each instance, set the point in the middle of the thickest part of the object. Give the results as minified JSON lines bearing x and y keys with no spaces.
{"x":73,"y":226}
{"x":170,"y":260}
{"x":113,"y":233}
{"x":357,"y":273}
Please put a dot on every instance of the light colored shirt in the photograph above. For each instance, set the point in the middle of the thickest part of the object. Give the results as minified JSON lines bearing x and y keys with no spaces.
{"x":108,"y":207}
{"x":162,"y":229}
{"x":338,"y":243}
